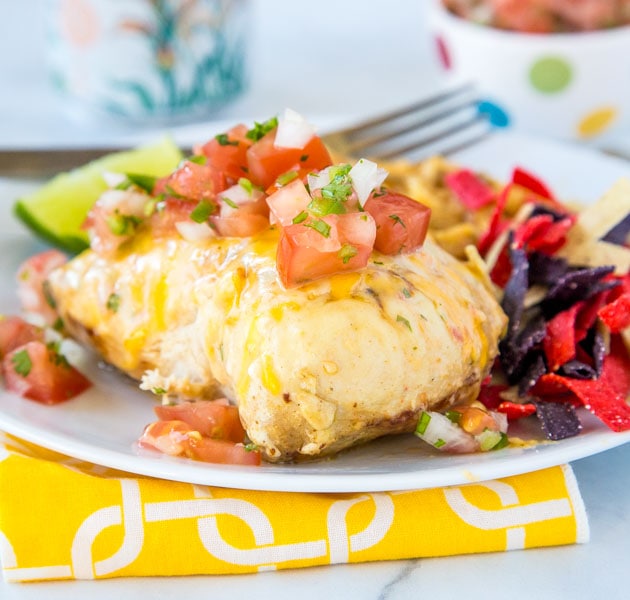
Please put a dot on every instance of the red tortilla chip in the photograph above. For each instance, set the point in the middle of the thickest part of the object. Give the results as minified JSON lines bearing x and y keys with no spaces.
{"x":616,"y":314}
{"x":496,"y":226}
{"x":470,"y":189}
{"x":606,"y":396}
{"x":515,"y":410}
{"x":559,"y":342}
{"x":532,"y":183}
{"x":490,"y":395}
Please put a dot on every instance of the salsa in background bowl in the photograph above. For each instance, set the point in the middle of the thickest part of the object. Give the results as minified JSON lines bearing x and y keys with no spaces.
{"x":565,"y":84}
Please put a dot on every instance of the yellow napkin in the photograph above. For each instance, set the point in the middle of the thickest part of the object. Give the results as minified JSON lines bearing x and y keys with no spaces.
{"x":63,"y":519}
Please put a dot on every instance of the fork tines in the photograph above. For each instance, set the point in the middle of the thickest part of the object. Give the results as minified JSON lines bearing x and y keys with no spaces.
{"x":441,"y":124}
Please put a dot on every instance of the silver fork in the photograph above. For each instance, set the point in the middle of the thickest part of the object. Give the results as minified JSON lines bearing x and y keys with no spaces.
{"x":443,"y":123}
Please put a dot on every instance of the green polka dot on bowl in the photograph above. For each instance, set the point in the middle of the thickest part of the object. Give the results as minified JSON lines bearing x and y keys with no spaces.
{"x":550,"y":74}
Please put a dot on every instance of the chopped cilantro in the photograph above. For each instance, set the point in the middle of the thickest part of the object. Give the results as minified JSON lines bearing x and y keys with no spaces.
{"x":326,"y":206}
{"x":300,"y":218}
{"x":144,"y":182}
{"x":58,"y":324}
{"x":405,"y":322}
{"x":198,"y":159}
{"x":339,"y":171}
{"x":406,"y":293}
{"x":247,"y":185}
{"x":287,"y":177}
{"x":158,"y":391}
{"x":22,"y":363}
{"x":229,"y":202}
{"x":304,"y":158}
{"x":398,"y":220}
{"x":50,"y":300}
{"x":150,"y":207}
{"x":453,"y":415}
{"x":122,"y":224}
{"x":260,"y":130}
{"x":202,"y":211}
{"x":502,"y":443}
{"x":113,"y":302}
{"x":320,"y":226}
{"x":346,"y":252}
{"x":55,"y":355}
{"x":251,"y":447}
{"x":224,"y":140}
{"x":423,"y":423}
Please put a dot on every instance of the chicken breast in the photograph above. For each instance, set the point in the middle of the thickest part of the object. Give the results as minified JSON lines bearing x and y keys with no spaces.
{"x":314,"y":369}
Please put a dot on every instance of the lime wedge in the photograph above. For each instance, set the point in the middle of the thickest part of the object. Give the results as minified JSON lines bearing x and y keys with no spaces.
{"x":56,"y":211}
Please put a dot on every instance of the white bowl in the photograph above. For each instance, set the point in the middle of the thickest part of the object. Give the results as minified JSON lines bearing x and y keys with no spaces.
{"x":565,"y":85}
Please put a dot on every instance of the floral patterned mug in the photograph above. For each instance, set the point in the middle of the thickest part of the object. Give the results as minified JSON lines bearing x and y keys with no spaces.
{"x":149,"y":60}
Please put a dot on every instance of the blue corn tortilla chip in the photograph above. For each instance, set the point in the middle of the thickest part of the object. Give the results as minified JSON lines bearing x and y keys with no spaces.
{"x":536,"y":368}
{"x":595,"y":347}
{"x":515,"y":289}
{"x":515,"y":349}
{"x":559,"y":420}
{"x":577,"y":370}
{"x":545,"y":269}
{"x":578,"y":284}
{"x":619,"y":233}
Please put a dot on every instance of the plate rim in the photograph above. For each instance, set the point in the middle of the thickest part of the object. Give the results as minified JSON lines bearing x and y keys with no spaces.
{"x":255,"y":478}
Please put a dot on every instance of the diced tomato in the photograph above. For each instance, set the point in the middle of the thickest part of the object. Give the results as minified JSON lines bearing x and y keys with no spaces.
{"x":242,"y":217}
{"x":210,"y":418}
{"x":266,"y":162}
{"x":170,"y":212}
{"x":288,"y":202}
{"x":401,"y":223}
{"x":304,"y":254}
{"x":474,"y":420}
{"x":114,"y":217}
{"x":39,"y":373}
{"x":177,"y":438}
{"x":523,"y":16}
{"x":32,"y":288}
{"x":228,"y":153}
{"x":192,"y":181}
{"x":169,"y":437}
{"x":15,"y":332}
{"x":221,"y":452}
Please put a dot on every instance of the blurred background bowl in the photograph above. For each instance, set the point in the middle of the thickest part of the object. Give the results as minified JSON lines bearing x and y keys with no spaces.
{"x":572,"y":86}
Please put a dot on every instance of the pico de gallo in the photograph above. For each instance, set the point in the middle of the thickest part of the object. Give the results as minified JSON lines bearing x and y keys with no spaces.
{"x":544,"y":16}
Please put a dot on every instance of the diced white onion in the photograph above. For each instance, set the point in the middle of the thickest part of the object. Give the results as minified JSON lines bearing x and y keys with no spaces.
{"x":239,"y":195}
{"x":113,"y":179}
{"x":75,"y":354}
{"x":500,"y":419}
{"x":366,"y":177}
{"x":445,"y":435}
{"x":34,"y":318}
{"x":318,"y":180}
{"x":194,"y":232}
{"x":50,"y":335}
{"x":294,"y":131}
{"x":125,"y":201}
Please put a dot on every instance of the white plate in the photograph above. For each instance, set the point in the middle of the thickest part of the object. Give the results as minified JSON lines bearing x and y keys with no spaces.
{"x":102,"y":425}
